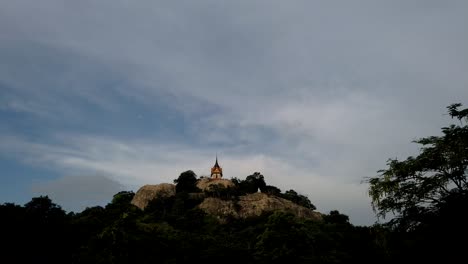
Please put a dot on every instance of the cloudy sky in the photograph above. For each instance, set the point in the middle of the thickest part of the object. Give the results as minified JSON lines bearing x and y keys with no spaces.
{"x":98,"y":96}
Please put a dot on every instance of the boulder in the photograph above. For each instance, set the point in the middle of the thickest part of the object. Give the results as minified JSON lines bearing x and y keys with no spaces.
{"x":149,"y":192}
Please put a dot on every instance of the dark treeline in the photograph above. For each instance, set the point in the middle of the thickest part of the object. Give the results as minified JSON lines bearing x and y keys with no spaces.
{"x":172,"y":230}
{"x":427,"y":195}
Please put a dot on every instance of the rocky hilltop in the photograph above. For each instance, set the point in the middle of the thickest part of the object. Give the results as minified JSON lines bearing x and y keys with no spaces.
{"x":245,"y":206}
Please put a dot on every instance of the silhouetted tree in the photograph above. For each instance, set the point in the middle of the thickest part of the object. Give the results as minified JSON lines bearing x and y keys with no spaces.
{"x":43,"y":209}
{"x":285,"y":239}
{"x":336,"y":217}
{"x":46,"y":226}
{"x":418,"y":186}
{"x":123,"y":197}
{"x":273,"y":190}
{"x":187,"y":182}
{"x":299,"y":199}
{"x":252,"y":183}
{"x":428,"y":194}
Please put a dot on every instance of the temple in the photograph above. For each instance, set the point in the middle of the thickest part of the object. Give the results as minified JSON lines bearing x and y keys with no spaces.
{"x":216,"y":171}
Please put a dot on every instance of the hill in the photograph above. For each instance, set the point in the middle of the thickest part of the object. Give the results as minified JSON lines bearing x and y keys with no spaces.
{"x":213,"y":202}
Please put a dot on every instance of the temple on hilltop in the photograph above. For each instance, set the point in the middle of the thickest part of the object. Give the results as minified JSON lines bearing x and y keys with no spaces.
{"x":216,"y":171}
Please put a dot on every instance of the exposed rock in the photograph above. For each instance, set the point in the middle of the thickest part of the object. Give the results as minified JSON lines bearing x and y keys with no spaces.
{"x":254,"y":205}
{"x":218,"y":207}
{"x":149,"y":192}
{"x":205,"y":183}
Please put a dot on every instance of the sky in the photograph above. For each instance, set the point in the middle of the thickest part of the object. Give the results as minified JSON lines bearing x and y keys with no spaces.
{"x":99,"y":96}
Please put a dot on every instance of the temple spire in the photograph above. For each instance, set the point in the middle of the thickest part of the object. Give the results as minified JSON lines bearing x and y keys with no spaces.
{"x":216,"y":171}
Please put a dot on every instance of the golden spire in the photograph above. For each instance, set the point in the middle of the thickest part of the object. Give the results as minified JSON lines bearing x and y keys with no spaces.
{"x":216,"y":171}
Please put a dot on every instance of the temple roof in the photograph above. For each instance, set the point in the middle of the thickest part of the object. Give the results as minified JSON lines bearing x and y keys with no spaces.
{"x":216,"y":168}
{"x":216,"y":163}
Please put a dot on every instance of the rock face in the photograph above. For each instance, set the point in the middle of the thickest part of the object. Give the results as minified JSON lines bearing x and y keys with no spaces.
{"x":205,"y":183}
{"x":254,"y":205}
{"x":148,"y":192}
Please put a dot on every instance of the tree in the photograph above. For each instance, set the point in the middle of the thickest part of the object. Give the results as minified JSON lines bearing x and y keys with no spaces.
{"x":254,"y":182}
{"x":335,"y":217}
{"x":121,"y":206}
{"x":123,"y":197}
{"x":187,"y":182}
{"x":419,"y":188}
{"x":44,"y":210}
{"x":46,"y":226}
{"x":273,"y":190}
{"x":284,"y":239}
{"x":299,"y":199}
{"x":251,"y":184}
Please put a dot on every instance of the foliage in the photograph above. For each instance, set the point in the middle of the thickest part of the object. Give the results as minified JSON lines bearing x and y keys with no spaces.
{"x":299,"y":199}
{"x":39,"y":226}
{"x":123,"y":197}
{"x":284,"y":240}
{"x":172,"y":230}
{"x":272,"y":190}
{"x":252,"y":184}
{"x":256,"y":182}
{"x":42,"y":208}
{"x":417,"y":188}
{"x":187,"y":182}
{"x":336,"y":217}
{"x":428,"y":195}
